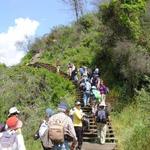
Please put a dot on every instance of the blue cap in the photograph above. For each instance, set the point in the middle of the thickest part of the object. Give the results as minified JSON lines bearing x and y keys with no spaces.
{"x":49,"y":112}
{"x":62,"y":106}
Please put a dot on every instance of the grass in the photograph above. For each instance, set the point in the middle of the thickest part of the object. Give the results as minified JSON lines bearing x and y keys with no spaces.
{"x":32,"y":90}
{"x":132,"y":125}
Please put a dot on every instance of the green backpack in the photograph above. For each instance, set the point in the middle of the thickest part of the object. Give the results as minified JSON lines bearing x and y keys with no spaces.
{"x":97,"y":95}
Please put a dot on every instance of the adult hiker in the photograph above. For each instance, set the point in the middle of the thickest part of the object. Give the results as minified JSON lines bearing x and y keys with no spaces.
{"x":43,"y":131}
{"x":77,"y":121}
{"x":82,"y":81}
{"x":102,"y":116}
{"x":61,"y":129}
{"x":81,"y":71}
{"x":74,"y":74}
{"x":12,"y":138}
{"x":103,"y":90}
{"x":96,"y":72}
{"x":85,"y":70}
{"x":57,"y":65}
{"x":96,"y":96}
{"x":14,"y":112}
{"x":95,"y":80}
{"x":86,"y":92}
{"x":69,"y":70}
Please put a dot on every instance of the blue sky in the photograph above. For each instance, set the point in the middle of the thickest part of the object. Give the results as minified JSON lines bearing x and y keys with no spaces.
{"x":23,"y":19}
{"x":48,"y":13}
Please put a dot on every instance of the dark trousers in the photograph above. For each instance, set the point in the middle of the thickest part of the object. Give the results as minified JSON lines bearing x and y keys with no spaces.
{"x":79,"y":134}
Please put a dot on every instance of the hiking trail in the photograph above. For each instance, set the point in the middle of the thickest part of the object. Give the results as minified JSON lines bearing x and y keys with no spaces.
{"x":90,"y":136}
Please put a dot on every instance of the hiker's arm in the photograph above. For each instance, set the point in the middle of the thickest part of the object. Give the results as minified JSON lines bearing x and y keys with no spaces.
{"x":20,"y":139}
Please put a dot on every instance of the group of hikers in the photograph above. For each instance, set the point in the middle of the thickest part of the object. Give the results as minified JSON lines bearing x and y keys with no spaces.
{"x":64,"y":128}
{"x":90,"y":83}
{"x":94,"y":95}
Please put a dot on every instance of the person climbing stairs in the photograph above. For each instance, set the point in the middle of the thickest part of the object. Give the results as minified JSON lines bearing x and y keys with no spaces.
{"x":90,"y":135}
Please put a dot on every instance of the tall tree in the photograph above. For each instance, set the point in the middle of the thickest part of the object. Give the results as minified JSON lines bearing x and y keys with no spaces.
{"x":77,"y":6}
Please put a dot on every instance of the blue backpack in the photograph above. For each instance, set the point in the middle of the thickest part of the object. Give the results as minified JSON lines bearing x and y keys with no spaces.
{"x":101,"y":117}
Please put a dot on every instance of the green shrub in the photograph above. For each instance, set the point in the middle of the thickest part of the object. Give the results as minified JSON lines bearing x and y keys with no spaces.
{"x":32,"y":90}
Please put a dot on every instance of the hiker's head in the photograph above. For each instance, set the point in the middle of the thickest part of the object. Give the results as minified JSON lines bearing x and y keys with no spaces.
{"x":96,"y":71}
{"x":49,"y":112}
{"x":13,"y":111}
{"x":62,"y":107}
{"x":102,"y":104}
{"x":78,"y":104}
{"x":13,"y":123}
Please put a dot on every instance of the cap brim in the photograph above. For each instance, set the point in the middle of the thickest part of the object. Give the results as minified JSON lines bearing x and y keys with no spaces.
{"x":62,"y":109}
{"x":78,"y":103}
{"x":18,"y":112}
{"x":102,"y":105}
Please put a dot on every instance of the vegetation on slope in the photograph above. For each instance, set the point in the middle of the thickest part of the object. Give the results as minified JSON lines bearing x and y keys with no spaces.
{"x":32,"y":90}
{"x":117,"y":40}
{"x":77,"y":43}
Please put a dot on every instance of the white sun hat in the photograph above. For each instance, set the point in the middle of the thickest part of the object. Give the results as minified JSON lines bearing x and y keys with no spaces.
{"x":78,"y":103}
{"x":13,"y":110}
{"x":93,"y":87}
{"x":102,"y":104}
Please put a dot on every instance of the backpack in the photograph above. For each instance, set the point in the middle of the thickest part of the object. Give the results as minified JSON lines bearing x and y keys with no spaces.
{"x":56,"y":131}
{"x":87,"y":86}
{"x":96,"y":94}
{"x":8,"y":140}
{"x":46,"y":141}
{"x":101,"y":116}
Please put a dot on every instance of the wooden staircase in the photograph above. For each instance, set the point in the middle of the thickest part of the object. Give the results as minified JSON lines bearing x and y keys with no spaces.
{"x":90,"y":135}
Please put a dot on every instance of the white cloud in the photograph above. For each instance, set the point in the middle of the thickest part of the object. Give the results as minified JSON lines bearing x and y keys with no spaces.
{"x":10,"y":53}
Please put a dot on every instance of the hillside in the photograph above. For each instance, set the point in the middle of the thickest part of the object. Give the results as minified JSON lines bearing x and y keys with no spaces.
{"x":32,"y":91}
{"x":116,"y":39}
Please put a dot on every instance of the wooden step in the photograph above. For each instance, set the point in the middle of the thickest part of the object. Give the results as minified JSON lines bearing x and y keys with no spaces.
{"x":90,"y":134}
{"x":94,"y":140}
